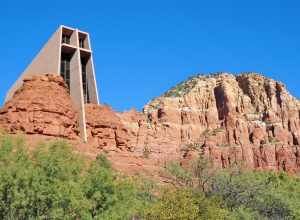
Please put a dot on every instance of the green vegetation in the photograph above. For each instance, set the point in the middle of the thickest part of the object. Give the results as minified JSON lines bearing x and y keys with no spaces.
{"x":207,"y":132}
{"x":186,"y":86}
{"x":192,"y":146}
{"x":182,"y":88}
{"x":52,"y":182}
{"x":184,"y":204}
{"x":226,"y":145}
{"x":241,"y":194}
{"x":273,"y":140}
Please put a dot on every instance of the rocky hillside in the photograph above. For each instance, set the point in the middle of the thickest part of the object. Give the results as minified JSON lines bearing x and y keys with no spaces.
{"x":245,"y":118}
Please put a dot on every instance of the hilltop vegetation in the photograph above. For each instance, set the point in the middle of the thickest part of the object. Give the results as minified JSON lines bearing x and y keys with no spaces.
{"x":186,"y":86}
{"x":52,"y":182}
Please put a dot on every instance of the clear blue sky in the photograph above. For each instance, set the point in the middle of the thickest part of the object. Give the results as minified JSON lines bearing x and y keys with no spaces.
{"x":142,"y":48}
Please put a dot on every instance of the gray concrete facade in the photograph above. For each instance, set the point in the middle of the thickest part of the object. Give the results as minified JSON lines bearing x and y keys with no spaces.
{"x":67,"y":53}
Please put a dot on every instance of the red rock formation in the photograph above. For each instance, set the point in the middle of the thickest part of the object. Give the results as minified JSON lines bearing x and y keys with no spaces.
{"x":42,"y":106}
{"x":105,"y":130}
{"x":247,"y":119}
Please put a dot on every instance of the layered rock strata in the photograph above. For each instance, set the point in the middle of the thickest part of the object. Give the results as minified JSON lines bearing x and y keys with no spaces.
{"x":232,"y":119}
{"x":41,"y":106}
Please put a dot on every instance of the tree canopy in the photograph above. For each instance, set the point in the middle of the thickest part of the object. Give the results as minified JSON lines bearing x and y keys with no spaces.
{"x":53,"y":182}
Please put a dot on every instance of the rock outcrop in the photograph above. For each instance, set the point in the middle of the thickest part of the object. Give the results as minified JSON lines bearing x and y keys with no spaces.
{"x":105,"y":129}
{"x":231,"y":119}
{"x":41,"y":106}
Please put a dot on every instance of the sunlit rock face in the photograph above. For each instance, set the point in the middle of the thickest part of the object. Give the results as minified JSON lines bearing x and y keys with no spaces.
{"x":41,"y":106}
{"x":243,"y":119}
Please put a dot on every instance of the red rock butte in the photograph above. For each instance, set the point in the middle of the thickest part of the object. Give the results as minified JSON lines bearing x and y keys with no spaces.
{"x":231,"y":119}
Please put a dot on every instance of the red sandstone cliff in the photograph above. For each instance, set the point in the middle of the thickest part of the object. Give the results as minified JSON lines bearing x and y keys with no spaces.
{"x":41,"y":106}
{"x":231,"y":119}
{"x":247,"y":118}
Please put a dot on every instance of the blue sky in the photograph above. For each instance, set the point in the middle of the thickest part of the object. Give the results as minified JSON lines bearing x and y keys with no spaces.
{"x":142,"y":48}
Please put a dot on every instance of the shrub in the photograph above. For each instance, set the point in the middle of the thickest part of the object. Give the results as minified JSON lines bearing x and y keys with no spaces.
{"x":273,"y":140}
{"x":268,"y":195}
{"x":184,"y":204}
{"x":214,"y":132}
{"x":182,"y":88}
{"x":244,"y":194}
{"x":179,"y":174}
{"x":193,"y":146}
{"x":52,"y":182}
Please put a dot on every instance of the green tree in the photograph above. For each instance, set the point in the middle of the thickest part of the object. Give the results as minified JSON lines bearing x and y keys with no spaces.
{"x":173,"y":205}
{"x":184,"y":204}
{"x":111,"y":197}
{"x":245,"y":194}
{"x":268,"y":195}
{"x":52,"y":182}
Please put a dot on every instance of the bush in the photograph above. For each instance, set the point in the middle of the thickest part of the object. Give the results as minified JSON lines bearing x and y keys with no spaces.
{"x":245,"y":194}
{"x":54,"y":183}
{"x":182,"y":88}
{"x":269,"y":195}
{"x":178,"y":174}
{"x":183,"y":204}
